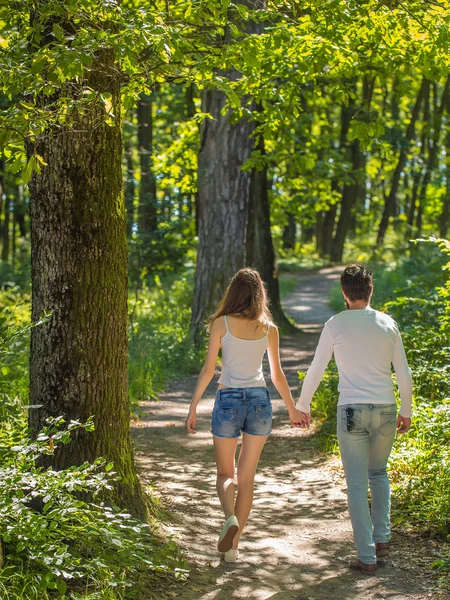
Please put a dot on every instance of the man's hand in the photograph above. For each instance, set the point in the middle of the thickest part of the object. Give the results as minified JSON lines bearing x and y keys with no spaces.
{"x":403,"y":424}
{"x":300,"y":419}
{"x":190,"y":421}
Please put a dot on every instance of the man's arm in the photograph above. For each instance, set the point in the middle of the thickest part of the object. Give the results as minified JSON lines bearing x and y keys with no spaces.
{"x":324,"y":352}
{"x":403,"y":375}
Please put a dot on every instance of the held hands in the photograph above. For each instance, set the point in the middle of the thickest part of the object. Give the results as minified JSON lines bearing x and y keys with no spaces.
{"x":300,"y":419}
{"x":190,"y":421}
{"x":403,"y":424}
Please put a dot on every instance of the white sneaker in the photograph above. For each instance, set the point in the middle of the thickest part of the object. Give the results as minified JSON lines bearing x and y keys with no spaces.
{"x":227,"y":534}
{"x":230,"y":556}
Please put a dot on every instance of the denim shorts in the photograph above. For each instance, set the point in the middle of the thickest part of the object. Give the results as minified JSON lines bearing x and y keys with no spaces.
{"x":242,"y":409}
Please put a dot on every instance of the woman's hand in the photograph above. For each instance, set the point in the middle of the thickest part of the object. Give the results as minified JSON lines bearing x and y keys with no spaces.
{"x":190,"y":421}
{"x":300,"y":419}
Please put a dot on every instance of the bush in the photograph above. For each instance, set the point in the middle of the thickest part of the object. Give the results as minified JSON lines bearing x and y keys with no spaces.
{"x":60,"y":539}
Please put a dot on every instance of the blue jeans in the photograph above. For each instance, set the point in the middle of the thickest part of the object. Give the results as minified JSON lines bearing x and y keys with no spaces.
{"x":366,"y":433}
{"x":242,"y":409}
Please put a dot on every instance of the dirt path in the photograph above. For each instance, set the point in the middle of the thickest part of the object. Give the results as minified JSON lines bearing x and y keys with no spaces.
{"x":298,"y":540}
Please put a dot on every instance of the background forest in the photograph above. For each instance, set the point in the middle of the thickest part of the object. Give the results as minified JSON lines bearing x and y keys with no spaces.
{"x":148,"y":151}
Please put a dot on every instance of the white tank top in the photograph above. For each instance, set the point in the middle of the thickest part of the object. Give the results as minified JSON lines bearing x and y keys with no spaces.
{"x":242,"y":360}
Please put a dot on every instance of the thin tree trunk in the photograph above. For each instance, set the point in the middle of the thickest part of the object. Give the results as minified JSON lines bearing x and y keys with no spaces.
{"x":417,"y":175}
{"x":260,"y":253}
{"x":306,"y":232}
{"x":6,"y":228}
{"x":147,"y":214}
{"x":130,"y":186}
{"x":290,"y":232}
{"x":445,"y":214}
{"x":20,"y":210}
{"x":13,"y":237}
{"x":328,"y":230}
{"x":389,"y":206}
{"x":349,"y":190}
{"x":190,"y":112}
{"x":349,"y":196}
{"x":78,"y":358}
{"x":2,"y":193}
{"x":433,"y":152}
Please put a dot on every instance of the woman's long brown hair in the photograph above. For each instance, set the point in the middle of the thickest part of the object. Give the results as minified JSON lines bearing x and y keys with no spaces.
{"x":246,"y":295}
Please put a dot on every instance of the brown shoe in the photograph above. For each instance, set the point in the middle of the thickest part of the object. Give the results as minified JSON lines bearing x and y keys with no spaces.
{"x":383,"y":549}
{"x":363,"y":567}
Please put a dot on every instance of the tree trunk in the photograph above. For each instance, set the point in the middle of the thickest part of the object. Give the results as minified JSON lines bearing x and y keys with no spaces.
{"x":290,"y":232}
{"x":328,"y":229}
{"x":307,"y":232}
{"x":349,"y":196}
{"x":352,"y":154}
{"x":13,"y":236}
{"x":2,"y":193}
{"x":6,"y":228}
{"x":320,"y":220}
{"x":445,"y":214}
{"x":260,"y":253}
{"x":190,"y":112}
{"x":389,"y":206}
{"x":78,"y":359}
{"x":130,"y":187}
{"x":20,"y":211}
{"x":147,"y":214}
{"x":433,"y":152}
{"x":417,"y":175}
{"x":223,"y":190}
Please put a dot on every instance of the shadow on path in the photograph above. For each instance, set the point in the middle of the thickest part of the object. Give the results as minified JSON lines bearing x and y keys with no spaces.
{"x":298,"y":539}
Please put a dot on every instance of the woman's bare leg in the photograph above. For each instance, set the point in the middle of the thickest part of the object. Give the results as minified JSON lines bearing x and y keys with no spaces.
{"x":251,"y":449}
{"x":225,"y":452}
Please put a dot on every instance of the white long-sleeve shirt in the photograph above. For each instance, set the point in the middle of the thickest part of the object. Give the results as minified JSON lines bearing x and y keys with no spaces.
{"x":365,"y":343}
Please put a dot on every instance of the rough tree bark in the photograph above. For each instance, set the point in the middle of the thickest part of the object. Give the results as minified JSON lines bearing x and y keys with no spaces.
{"x":260,"y":253}
{"x":147,"y":214}
{"x":78,"y":360}
{"x":223,"y":191}
{"x":389,"y":206}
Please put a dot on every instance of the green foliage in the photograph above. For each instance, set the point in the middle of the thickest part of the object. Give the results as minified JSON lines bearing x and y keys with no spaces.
{"x":160,"y":347}
{"x":57,"y":540}
{"x":60,"y":539}
{"x":323,"y":409}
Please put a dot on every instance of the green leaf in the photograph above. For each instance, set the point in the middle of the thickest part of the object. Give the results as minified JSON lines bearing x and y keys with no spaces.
{"x":61,"y":586}
{"x":27,"y":172}
{"x":58,"y":32}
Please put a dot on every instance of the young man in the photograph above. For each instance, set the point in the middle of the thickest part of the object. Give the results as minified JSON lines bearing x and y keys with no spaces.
{"x":365,"y":342}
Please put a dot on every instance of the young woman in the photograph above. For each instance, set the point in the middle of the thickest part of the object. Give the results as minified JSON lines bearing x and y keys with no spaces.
{"x":242,"y":326}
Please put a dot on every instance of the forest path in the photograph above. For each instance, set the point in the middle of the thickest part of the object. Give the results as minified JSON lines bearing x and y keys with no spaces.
{"x":298,"y":540}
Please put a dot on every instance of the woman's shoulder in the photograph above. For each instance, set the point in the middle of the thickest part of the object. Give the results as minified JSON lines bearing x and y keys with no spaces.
{"x":271,"y":329}
{"x":218,"y":325}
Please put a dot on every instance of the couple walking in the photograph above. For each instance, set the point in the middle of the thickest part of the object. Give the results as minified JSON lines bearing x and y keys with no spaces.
{"x":365,"y":344}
